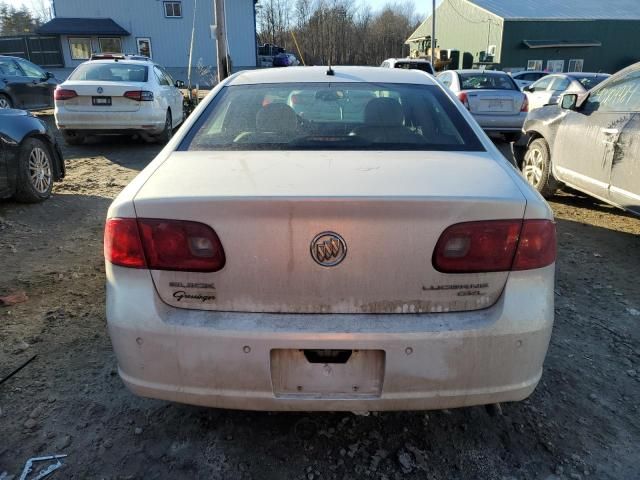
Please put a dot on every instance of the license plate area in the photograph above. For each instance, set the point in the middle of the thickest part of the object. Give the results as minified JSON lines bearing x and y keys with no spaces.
{"x":101,"y":101}
{"x":308,"y":373}
{"x":496,"y":105}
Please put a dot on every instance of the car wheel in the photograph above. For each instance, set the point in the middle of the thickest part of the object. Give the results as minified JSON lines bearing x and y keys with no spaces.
{"x":536,"y":168}
{"x":5,"y":102}
{"x":167,"y":133}
{"x":35,"y":172}
{"x":72,"y":138}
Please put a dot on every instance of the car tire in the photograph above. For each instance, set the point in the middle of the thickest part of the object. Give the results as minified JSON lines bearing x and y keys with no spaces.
{"x":536,"y":168}
{"x":5,"y":101}
{"x":167,"y":133}
{"x":35,"y":172}
{"x":72,"y":138}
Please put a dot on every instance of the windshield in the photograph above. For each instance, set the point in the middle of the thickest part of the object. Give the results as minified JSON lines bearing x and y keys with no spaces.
{"x":110,"y":72}
{"x":589,"y":82}
{"x":337,"y":116}
{"x":486,"y":81}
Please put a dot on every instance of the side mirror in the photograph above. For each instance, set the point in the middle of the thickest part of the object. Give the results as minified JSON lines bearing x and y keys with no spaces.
{"x":49,"y":75}
{"x":179,"y":84}
{"x":569,"y":101}
{"x":528,"y":88}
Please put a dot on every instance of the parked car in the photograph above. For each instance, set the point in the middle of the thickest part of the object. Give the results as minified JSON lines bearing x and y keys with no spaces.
{"x":30,"y":158}
{"x":409,"y":64}
{"x":527,"y":77}
{"x":389,"y":261}
{"x":493,"y":98}
{"x":24,"y":85}
{"x":285,"y":60}
{"x":118,"y":95}
{"x":589,"y":143}
{"x":548,"y":90}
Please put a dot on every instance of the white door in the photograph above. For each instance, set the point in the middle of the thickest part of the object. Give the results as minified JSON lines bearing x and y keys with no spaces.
{"x":538,"y":93}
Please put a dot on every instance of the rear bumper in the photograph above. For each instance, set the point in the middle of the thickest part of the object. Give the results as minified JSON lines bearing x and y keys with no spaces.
{"x":145,"y":119}
{"x":432,"y":361}
{"x":501,"y":123}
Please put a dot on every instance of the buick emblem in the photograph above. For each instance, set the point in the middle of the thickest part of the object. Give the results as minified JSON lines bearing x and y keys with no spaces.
{"x":328,"y":249}
{"x":100,"y":90}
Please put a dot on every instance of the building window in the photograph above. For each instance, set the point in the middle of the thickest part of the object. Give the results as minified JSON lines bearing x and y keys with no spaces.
{"x":576,"y":64}
{"x":144,"y":46}
{"x":111,"y":45}
{"x":555,"y":66}
{"x":173,"y":9}
{"x":534,"y":65}
{"x":80,"y":48}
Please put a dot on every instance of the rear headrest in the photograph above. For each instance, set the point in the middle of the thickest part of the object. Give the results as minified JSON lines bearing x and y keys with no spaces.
{"x":276,"y":118}
{"x":383,"y":112}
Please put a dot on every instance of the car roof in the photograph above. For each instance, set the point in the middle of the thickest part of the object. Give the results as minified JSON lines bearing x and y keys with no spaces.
{"x":416,"y":60}
{"x":15,"y":58}
{"x":522,"y":72}
{"x":119,"y":61}
{"x":476,"y":70}
{"x":586,"y":74}
{"x":341,"y":75}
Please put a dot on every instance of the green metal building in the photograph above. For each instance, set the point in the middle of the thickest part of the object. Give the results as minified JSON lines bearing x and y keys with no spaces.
{"x":552,"y":35}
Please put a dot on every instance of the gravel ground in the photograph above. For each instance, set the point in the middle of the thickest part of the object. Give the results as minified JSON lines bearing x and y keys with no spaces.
{"x":581,"y":422}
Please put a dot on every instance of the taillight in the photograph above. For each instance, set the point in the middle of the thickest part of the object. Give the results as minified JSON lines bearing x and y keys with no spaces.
{"x":139,"y":95}
{"x":63,"y":94}
{"x":537,"y":246}
{"x":495,"y":246}
{"x":163,"y":245}
{"x":464,"y":99}
{"x":181,"y":245}
{"x":525,"y":105}
{"x":122,"y":244}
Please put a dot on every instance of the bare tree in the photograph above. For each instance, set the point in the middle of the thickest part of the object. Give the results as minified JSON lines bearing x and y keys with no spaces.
{"x":338,"y":31}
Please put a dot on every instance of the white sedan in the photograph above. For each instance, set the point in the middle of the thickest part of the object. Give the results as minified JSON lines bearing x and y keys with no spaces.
{"x":118,"y":95}
{"x":383,"y":258}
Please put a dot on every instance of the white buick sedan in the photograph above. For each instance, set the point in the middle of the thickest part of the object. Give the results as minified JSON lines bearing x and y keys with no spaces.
{"x":118,"y":94}
{"x":317,"y":239}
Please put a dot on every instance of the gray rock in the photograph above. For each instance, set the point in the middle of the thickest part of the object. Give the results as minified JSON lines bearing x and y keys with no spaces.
{"x":406,"y":461}
{"x":30,"y":424}
{"x":36,"y":412}
{"x":138,"y":431}
{"x":63,"y":442}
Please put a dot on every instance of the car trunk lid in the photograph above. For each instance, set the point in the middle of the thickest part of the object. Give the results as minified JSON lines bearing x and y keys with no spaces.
{"x":495,"y":102}
{"x":389,"y":207}
{"x":113,"y":91}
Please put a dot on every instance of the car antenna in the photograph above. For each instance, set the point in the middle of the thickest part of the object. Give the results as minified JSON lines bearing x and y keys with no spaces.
{"x":330,"y":72}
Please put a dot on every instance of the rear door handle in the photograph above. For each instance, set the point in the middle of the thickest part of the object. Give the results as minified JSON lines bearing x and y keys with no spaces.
{"x":610,"y":131}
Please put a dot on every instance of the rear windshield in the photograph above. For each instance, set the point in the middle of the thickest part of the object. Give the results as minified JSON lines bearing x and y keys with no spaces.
{"x":486,"y":81}
{"x":589,"y":82}
{"x":110,"y":72}
{"x":424,"y":66}
{"x":337,"y":116}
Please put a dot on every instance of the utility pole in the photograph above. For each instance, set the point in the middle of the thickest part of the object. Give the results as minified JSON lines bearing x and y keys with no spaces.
{"x":193,"y":34}
{"x":221,"y":40}
{"x":433,"y":35}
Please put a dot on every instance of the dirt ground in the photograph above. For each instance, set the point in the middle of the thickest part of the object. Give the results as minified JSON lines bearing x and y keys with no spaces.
{"x":583,"y":421}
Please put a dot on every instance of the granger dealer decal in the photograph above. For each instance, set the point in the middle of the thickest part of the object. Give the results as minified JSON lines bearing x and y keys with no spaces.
{"x":190,"y":291}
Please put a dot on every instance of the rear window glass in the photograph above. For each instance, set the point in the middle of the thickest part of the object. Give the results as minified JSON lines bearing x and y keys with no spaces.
{"x":425,"y":67}
{"x":110,"y":72}
{"x":336,"y":116}
{"x":589,"y":82}
{"x":486,"y":81}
